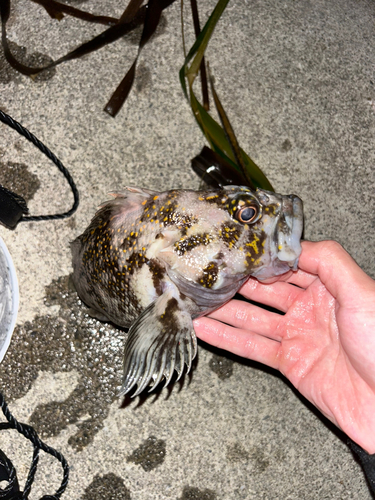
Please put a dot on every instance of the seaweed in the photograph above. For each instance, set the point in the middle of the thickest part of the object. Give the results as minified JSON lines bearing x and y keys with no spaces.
{"x":218,"y":137}
{"x":133,"y":16}
{"x":152,"y":18}
{"x":229,"y":162}
{"x":215,"y":171}
{"x":56,"y":10}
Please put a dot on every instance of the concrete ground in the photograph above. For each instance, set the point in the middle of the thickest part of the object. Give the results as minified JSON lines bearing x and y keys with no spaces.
{"x":297,"y":80}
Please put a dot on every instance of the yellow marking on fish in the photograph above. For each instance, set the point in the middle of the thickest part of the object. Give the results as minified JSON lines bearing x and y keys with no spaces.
{"x":253,"y":244}
{"x":144,"y":202}
{"x":155,"y":198}
{"x":280,"y":247}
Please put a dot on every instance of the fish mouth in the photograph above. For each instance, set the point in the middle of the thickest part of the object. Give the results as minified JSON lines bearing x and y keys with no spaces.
{"x":287,"y":243}
{"x":285,"y":246}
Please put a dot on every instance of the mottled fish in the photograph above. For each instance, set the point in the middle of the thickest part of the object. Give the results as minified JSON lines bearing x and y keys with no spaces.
{"x":155,"y":261}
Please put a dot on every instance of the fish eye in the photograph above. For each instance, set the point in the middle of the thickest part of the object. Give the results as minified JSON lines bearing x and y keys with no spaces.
{"x":247,"y":214}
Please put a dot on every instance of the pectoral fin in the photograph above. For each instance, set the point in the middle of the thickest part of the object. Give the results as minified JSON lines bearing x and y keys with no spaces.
{"x":161,"y":340}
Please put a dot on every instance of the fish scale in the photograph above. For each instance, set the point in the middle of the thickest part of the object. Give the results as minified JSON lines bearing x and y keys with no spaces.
{"x":154,"y":261}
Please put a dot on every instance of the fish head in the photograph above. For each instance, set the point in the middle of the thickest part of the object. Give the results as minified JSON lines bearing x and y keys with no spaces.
{"x":272,"y":227}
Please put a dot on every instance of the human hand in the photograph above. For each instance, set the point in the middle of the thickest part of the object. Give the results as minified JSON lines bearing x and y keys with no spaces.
{"x":325,"y":342}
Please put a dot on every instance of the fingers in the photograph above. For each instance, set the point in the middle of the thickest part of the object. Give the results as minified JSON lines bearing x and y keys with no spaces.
{"x":336,"y":269}
{"x":325,"y":260}
{"x":243,"y":343}
{"x":241,"y":314}
{"x":279,"y":295}
{"x":282,"y":277}
{"x":301,"y":278}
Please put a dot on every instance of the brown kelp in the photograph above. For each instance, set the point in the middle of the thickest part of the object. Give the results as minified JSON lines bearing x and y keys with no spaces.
{"x":134,"y":15}
{"x":225,"y":163}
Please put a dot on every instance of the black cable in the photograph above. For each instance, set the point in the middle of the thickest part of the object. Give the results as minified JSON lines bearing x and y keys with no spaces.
{"x":30,"y":137}
{"x":7,"y":470}
{"x":31,"y":434}
{"x":8,"y":473}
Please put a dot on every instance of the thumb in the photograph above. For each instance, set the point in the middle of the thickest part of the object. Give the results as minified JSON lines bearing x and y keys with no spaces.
{"x":337,"y":270}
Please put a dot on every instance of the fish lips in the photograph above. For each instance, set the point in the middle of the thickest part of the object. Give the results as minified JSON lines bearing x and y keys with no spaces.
{"x":286,"y":243}
{"x":289,"y":232}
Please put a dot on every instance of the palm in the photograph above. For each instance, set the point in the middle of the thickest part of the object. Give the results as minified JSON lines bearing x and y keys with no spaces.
{"x":324,"y":343}
{"x":316,"y":355}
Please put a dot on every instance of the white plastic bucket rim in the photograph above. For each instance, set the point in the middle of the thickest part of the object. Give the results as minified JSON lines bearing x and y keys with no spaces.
{"x":9,"y":297}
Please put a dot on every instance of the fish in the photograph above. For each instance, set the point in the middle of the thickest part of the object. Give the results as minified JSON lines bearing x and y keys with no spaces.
{"x":153,"y":261}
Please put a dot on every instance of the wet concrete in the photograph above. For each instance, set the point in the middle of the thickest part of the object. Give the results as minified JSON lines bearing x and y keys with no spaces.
{"x":71,"y":341}
{"x":191,"y":493}
{"x":109,"y":487}
{"x":34,"y":60}
{"x":17,"y":178}
{"x":150,"y":453}
{"x":222,"y":366}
